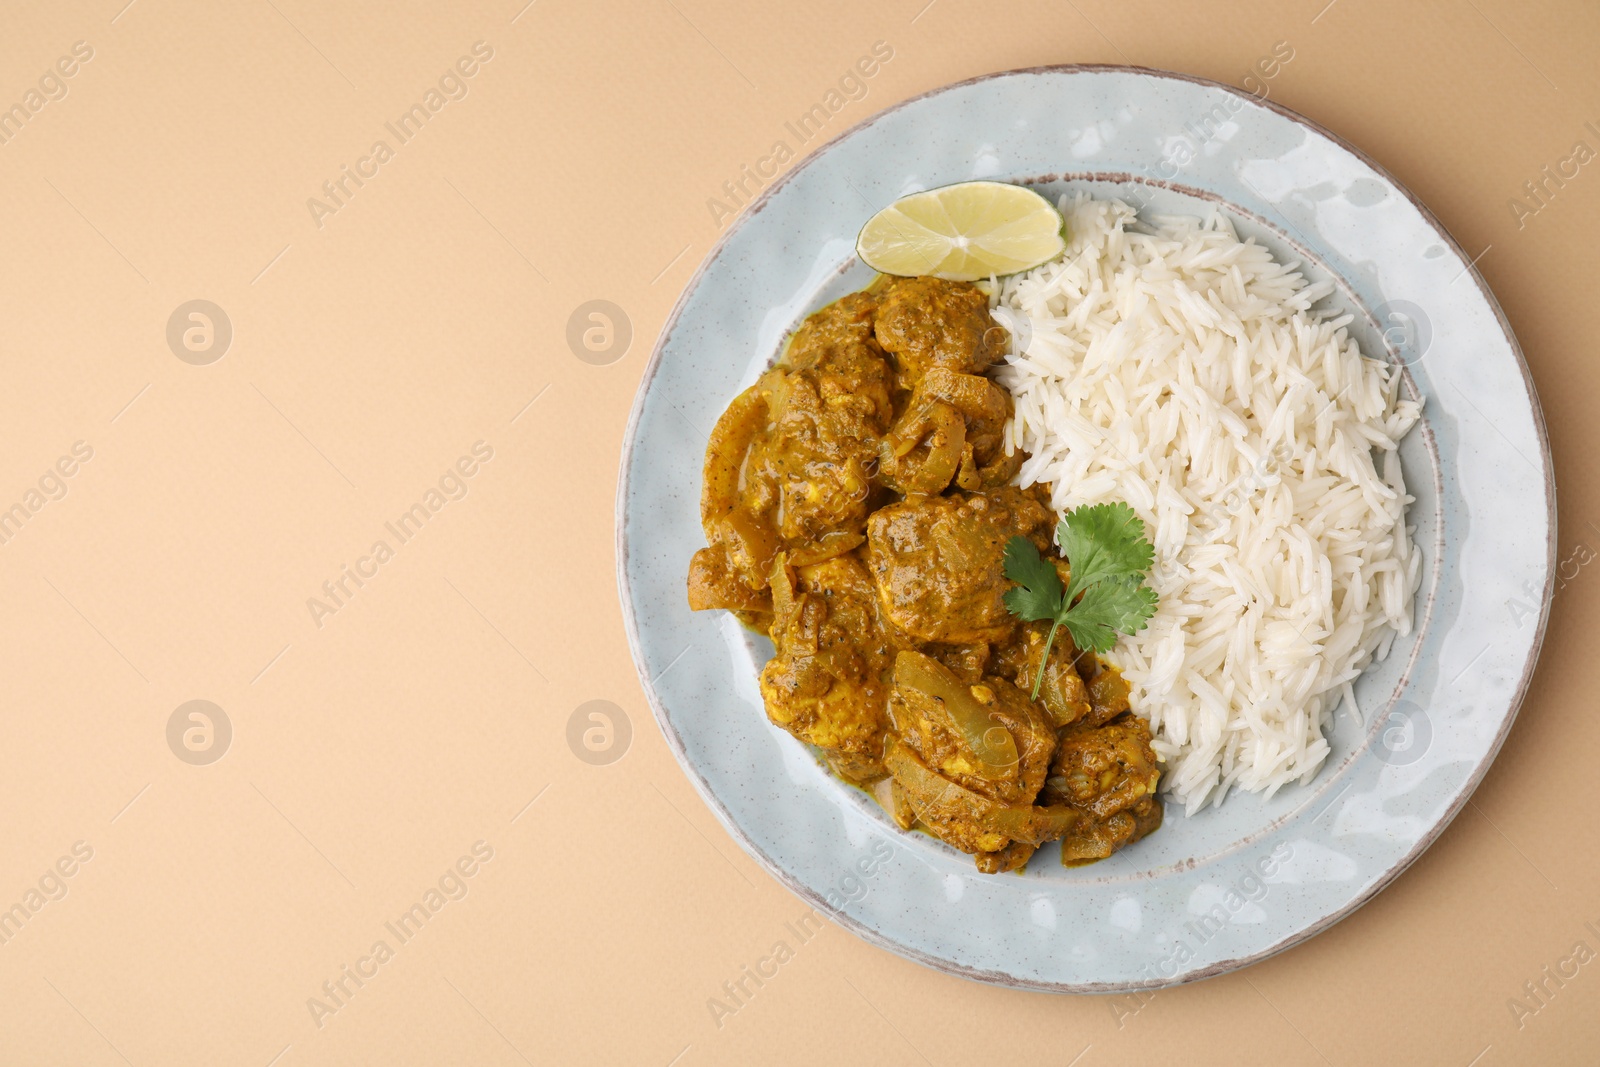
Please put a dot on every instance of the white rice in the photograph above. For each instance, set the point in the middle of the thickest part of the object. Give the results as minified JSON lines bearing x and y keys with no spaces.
{"x":1174,"y":367}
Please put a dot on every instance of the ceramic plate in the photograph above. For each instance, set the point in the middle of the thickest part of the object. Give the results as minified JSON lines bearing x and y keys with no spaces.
{"x":1230,"y":885}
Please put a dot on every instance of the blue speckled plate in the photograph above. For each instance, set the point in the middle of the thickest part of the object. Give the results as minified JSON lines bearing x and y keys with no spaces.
{"x":1230,"y":885}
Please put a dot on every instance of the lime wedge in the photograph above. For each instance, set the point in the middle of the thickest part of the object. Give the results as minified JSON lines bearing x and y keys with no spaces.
{"x":963,"y":232}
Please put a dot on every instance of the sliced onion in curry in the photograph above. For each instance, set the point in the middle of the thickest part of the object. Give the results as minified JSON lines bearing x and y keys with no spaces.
{"x":750,"y":538}
{"x":922,"y":449}
{"x":830,"y":545}
{"x":931,"y":794}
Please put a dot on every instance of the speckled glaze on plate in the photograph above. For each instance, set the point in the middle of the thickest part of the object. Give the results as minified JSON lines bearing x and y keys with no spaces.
{"x":1230,"y":885}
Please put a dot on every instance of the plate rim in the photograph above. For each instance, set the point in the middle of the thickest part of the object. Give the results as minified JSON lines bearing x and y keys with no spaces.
{"x":989,"y":976}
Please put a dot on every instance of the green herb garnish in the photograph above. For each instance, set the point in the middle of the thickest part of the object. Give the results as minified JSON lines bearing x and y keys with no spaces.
{"x":1106,"y":595}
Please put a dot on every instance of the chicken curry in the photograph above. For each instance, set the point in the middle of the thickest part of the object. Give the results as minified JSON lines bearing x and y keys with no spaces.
{"x":857,"y":504}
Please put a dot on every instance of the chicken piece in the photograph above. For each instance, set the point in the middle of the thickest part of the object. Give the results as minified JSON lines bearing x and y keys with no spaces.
{"x":1013,"y":857}
{"x":820,"y":458}
{"x":715,"y":583}
{"x":952,"y":427}
{"x":983,"y":404}
{"x":830,"y":679}
{"x":970,"y":475}
{"x":830,"y":402}
{"x":938,"y":561}
{"x":1062,"y":690}
{"x":1089,"y":841}
{"x":1105,"y":769}
{"x":969,"y":761}
{"x":1108,"y":773}
{"x":843,"y":327}
{"x":1078,"y":689}
{"x":927,"y":322}
{"x":967,"y":662}
{"x":952,"y":726}
{"x":790,"y":463}
{"x":1108,"y":691}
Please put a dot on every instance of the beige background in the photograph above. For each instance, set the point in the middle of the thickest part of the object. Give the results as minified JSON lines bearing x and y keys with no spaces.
{"x":371,"y":752}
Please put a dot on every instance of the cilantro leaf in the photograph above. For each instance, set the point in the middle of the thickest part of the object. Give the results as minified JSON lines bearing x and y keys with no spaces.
{"x":1106,"y":595}
{"x":1109,"y":607}
{"x":1038,"y":594}
{"x":1103,"y":541}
